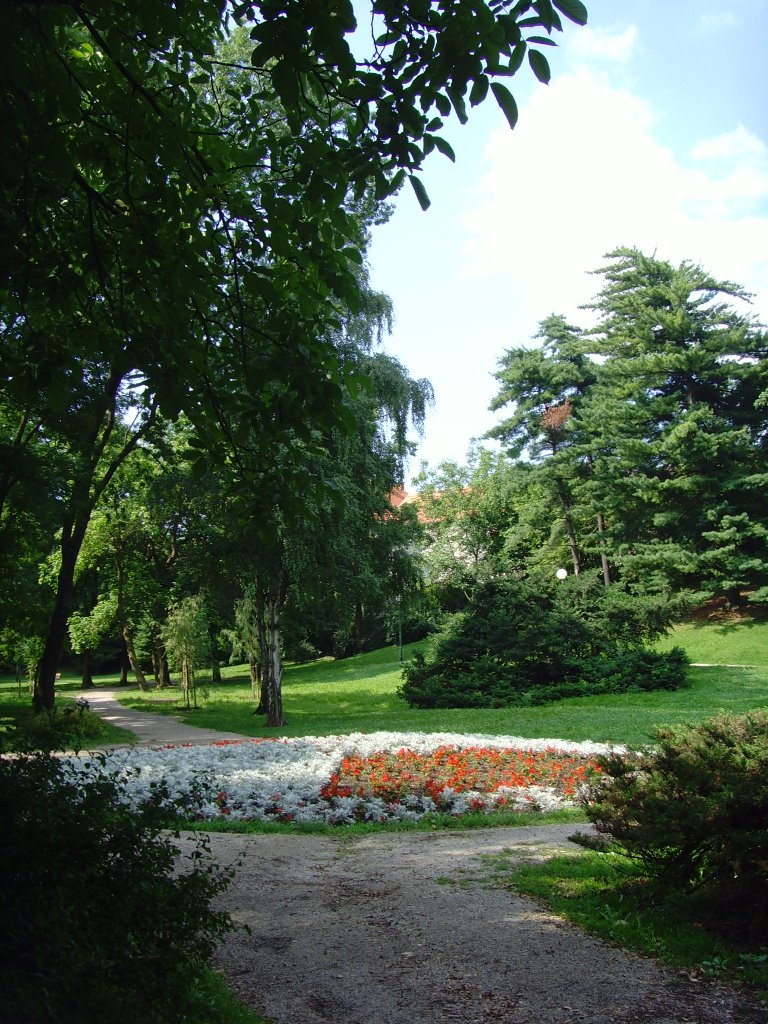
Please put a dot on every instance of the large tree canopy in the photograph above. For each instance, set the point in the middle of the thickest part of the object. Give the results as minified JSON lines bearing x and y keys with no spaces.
{"x":181,"y":228}
{"x":651,"y":428}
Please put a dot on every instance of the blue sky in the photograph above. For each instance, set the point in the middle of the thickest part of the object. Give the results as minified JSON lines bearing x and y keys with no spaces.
{"x":653,"y":132}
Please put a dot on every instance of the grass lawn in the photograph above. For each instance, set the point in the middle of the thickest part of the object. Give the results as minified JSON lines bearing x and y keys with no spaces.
{"x":607,"y":896}
{"x":359,"y":694}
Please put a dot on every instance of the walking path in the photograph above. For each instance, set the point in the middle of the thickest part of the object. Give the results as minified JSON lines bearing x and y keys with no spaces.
{"x":150,"y":729}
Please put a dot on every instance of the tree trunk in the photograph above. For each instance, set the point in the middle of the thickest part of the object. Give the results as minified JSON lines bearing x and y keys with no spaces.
{"x":156,"y":665}
{"x":255,"y":671}
{"x":215,"y":670}
{"x":275,"y":691}
{"x":160,"y":669}
{"x":135,"y":664}
{"x":277,"y":593}
{"x":358,"y":626}
{"x":87,"y":683}
{"x":603,"y":556}
{"x":124,"y":663}
{"x":165,"y":670}
{"x":45,"y":680}
{"x":571,"y":533}
{"x":88,"y":487}
{"x":263,"y":668}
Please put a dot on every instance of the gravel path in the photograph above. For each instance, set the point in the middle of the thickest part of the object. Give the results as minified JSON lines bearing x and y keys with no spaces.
{"x":410,"y":928}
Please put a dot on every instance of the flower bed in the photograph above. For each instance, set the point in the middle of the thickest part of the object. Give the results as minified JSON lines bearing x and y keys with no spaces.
{"x":357,"y":777}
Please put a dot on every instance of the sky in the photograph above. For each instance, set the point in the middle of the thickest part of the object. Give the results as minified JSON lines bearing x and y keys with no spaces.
{"x":653,"y":132}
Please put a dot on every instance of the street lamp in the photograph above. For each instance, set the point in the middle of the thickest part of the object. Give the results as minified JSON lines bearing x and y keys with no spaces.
{"x":561,"y":574}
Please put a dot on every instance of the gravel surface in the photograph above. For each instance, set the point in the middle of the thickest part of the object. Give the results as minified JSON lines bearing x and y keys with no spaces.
{"x":410,"y":928}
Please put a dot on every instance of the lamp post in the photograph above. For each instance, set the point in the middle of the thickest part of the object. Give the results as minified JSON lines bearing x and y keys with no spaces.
{"x":561,"y":574}
{"x":399,"y":600}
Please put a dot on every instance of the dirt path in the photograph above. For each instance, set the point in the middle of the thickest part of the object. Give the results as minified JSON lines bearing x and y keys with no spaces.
{"x":410,"y":929}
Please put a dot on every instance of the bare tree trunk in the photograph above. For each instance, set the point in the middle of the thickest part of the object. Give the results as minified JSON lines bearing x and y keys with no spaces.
{"x":166,"y":676}
{"x":275,"y":694}
{"x":570,"y":531}
{"x":358,"y":625}
{"x":132,"y":657}
{"x":156,"y":665}
{"x":277,"y":593}
{"x":264,"y":667}
{"x":255,"y":671}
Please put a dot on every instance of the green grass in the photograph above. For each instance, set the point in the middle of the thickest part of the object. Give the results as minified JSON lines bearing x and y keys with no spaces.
{"x":218,"y":1005}
{"x":429,"y":823}
{"x":16,"y":710}
{"x":359,"y":694}
{"x":604,"y":895}
{"x":738,"y":640}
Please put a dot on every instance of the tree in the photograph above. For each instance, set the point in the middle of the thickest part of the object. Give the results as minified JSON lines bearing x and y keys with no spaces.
{"x":187,"y":641}
{"x":650,"y":426}
{"x":200,"y":247}
{"x":678,"y":427}
{"x":545,"y":386}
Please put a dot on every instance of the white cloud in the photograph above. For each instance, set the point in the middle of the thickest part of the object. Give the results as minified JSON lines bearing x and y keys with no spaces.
{"x":716,"y":21}
{"x":583,"y":174}
{"x":603,"y":44}
{"x":735,"y":145}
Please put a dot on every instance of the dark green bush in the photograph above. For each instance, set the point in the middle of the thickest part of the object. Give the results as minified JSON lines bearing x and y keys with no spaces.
{"x":517,"y":644}
{"x":70,"y":728}
{"x":694,"y":810}
{"x":100,"y":920}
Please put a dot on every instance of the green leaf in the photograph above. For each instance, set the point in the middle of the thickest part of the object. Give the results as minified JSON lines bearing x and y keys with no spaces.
{"x":421,"y":193}
{"x":479,"y":90}
{"x":574,"y":10}
{"x":539,"y":66}
{"x":516,"y":60}
{"x":506,"y":101}
{"x":445,"y":148}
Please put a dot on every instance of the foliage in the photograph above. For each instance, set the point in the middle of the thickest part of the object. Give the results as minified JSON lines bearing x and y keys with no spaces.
{"x":99,"y":923}
{"x":646,"y":434}
{"x":692,"y":811}
{"x":203,"y":215}
{"x":72,"y":727}
{"x":359,"y":694}
{"x":517,"y":643}
{"x":187,"y":640}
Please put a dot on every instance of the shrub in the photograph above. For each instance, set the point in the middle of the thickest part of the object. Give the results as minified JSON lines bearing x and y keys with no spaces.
{"x":101,"y":921}
{"x":517,"y":644}
{"x":70,"y":728}
{"x":694,"y":811}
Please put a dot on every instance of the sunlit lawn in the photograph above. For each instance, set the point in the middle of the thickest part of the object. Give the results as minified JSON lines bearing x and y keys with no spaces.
{"x":359,"y":694}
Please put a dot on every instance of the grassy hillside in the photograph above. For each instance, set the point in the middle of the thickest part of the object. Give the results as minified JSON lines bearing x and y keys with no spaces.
{"x":359,"y":694}
{"x":722,"y":639}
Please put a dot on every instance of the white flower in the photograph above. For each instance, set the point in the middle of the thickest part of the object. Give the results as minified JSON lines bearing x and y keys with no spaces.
{"x":283,"y":780}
